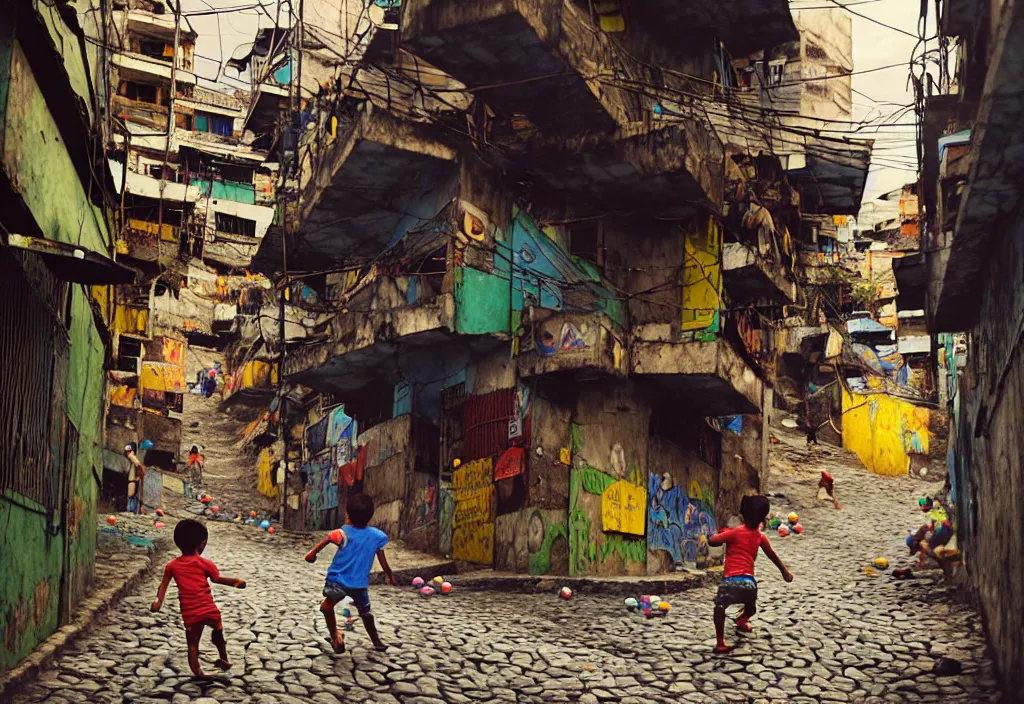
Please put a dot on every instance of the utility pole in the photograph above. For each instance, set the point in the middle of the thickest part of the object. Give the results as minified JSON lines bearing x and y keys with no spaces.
{"x":170,"y":132}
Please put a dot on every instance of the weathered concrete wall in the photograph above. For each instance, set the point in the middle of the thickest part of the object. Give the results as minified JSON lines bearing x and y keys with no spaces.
{"x":742,"y":467}
{"x":389,"y":463}
{"x":992,"y":398}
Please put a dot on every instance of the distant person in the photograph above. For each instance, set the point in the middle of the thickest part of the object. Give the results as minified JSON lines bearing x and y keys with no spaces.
{"x":739,"y":586}
{"x":827,"y":485}
{"x":196,"y":464}
{"x":193,"y":573}
{"x":210,"y":383}
{"x":349,"y":573}
{"x":136,"y":477}
{"x":812,"y":433}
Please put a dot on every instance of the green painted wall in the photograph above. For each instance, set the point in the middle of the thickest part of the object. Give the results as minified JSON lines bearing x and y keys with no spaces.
{"x":482,"y":302}
{"x":32,"y":543}
{"x":227,"y":190}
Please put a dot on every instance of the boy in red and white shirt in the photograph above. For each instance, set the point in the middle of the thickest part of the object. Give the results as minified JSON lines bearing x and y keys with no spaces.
{"x":741,"y":546}
{"x":193,"y":573}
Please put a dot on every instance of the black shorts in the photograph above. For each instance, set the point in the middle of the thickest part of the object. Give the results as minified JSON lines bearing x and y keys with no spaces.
{"x":360,"y":597}
{"x":736,"y":590}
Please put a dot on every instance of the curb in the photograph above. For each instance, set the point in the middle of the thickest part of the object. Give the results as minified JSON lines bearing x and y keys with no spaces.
{"x":427,"y":572}
{"x":91,"y":608}
{"x":526,"y":584}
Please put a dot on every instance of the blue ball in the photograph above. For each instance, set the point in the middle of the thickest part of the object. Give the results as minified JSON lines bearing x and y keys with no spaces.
{"x":910,"y":541}
{"x":264,"y":524}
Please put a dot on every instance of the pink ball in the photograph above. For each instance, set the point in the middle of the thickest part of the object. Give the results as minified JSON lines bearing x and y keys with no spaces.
{"x":417,"y":582}
{"x":158,"y":524}
{"x":783,"y":531}
{"x":426,"y":591}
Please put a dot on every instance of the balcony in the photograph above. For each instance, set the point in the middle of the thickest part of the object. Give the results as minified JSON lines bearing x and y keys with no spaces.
{"x":143,"y":69}
{"x":378,"y":178}
{"x":710,"y":376}
{"x":140,"y":185}
{"x":671,"y":171}
{"x":745,"y":26}
{"x":581,"y":345}
{"x":148,"y":242}
{"x":749,"y":276}
{"x":539,"y":58}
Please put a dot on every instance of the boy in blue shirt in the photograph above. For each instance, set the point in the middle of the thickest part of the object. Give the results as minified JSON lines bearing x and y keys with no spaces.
{"x":349,"y":573}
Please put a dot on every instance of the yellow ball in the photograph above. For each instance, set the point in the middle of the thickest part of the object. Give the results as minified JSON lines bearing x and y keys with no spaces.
{"x":664,"y":607}
{"x":793,"y":517}
{"x":456,"y":463}
{"x":881,"y":563}
{"x":438,"y":580}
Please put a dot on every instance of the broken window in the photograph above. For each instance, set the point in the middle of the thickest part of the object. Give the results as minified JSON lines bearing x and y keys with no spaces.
{"x":234,"y":225}
{"x":585,"y":242}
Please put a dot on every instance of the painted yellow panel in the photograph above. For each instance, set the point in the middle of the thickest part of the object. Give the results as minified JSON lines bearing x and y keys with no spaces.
{"x":256,"y":375}
{"x":474,"y":543}
{"x":123,"y":395}
{"x":885,"y":431}
{"x":702,"y":277}
{"x":623,"y":508}
{"x":130,"y":320}
{"x":167,"y":233}
{"x":264,"y":470}
{"x":169,"y":378}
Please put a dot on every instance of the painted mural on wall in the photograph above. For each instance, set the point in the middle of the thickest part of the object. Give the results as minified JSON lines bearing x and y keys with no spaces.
{"x":888,"y":434}
{"x":473,"y":513}
{"x":445,"y":518}
{"x":702,"y":279}
{"x":680,"y":522}
{"x":590,"y":544}
{"x":544,"y":538}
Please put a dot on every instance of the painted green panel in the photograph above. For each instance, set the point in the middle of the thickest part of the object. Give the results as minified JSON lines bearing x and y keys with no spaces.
{"x":482,"y":304}
{"x":36,"y":160}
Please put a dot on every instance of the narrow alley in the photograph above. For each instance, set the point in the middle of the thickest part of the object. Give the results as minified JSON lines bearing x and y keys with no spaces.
{"x":833,"y":635}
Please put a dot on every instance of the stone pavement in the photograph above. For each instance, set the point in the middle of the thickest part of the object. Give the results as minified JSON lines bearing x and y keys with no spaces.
{"x":833,"y":635}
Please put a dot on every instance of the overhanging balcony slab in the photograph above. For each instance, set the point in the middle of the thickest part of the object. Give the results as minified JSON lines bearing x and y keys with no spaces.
{"x":673,"y":171}
{"x":745,"y":26}
{"x":380,"y":173}
{"x":535,"y":57}
{"x":583,"y":346}
{"x":748,"y":276}
{"x":711,"y":376}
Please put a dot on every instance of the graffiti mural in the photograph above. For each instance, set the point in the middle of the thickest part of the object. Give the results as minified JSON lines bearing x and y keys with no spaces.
{"x":472,"y":520}
{"x":425,"y":505}
{"x":679,"y":523}
{"x":542,"y":539}
{"x":445,"y":516}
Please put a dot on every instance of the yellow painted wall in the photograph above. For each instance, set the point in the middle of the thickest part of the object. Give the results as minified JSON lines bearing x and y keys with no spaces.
{"x":884,"y":431}
{"x":702,"y":277}
{"x":264,"y":471}
{"x":130,"y":320}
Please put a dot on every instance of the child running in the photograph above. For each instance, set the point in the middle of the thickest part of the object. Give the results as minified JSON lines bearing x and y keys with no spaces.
{"x":740,"y":587}
{"x":349,"y":573}
{"x":193,"y":574}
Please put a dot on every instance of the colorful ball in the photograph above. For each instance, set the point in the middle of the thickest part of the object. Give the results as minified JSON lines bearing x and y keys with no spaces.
{"x":793,"y":517}
{"x":264,"y":524}
{"x":438,"y":580}
{"x":775,"y":523}
{"x":158,"y":524}
{"x":565,"y":593}
{"x":664,"y":607}
{"x":446,"y":587}
{"x":426,"y":591}
{"x":798,"y":529}
{"x":252,"y":514}
{"x":881,"y":563}
{"x":631,"y":603}
{"x":783,"y":531}
{"x":215,"y":509}
{"x":270,"y":530}
{"x":159,"y":512}
{"x":111,"y":520}
{"x":417,"y":582}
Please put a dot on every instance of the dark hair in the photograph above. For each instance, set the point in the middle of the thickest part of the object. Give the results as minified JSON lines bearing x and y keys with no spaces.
{"x":360,"y":510}
{"x":189,"y":534}
{"x":754,"y":510}
{"x":194,"y":450}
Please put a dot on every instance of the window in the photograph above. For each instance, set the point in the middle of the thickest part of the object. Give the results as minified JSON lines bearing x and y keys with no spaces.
{"x":156,"y":49}
{"x":776,"y":69}
{"x":141,"y":92}
{"x":215,"y":124}
{"x":234,"y":225}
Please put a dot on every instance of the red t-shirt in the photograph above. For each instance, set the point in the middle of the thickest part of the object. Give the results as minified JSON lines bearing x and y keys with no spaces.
{"x":741,"y":546}
{"x":192,"y":574}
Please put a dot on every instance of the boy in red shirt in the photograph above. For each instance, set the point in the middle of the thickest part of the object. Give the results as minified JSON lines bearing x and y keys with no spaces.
{"x":740,"y":587}
{"x":193,"y":574}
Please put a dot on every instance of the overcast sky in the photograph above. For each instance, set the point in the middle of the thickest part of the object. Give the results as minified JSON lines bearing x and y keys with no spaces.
{"x":878,"y":94}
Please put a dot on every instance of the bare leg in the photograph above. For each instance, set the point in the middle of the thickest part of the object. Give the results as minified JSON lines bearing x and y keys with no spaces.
{"x":217,"y":636}
{"x":337,"y":640}
{"x":192,"y":636}
{"x":721,"y":646}
{"x":748,"y":613}
{"x":371,"y":630}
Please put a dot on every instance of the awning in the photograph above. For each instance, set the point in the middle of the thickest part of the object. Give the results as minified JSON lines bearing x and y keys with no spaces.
{"x":75,"y":264}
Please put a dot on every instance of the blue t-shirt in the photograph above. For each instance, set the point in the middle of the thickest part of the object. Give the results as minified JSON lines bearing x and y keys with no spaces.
{"x":356,"y":551}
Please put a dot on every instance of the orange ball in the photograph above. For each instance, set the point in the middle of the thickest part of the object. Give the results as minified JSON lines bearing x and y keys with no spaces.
{"x":252,"y":514}
{"x":111,"y":520}
{"x":270,"y":529}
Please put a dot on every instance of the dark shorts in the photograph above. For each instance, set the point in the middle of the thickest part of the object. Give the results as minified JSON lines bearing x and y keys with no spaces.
{"x":736,"y":590}
{"x":360,"y":597}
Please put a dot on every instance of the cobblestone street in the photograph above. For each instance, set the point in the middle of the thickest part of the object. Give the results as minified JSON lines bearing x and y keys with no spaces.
{"x":834,"y":635}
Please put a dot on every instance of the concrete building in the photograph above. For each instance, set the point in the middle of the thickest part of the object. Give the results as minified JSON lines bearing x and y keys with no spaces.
{"x":56,"y":270}
{"x":967,"y":278}
{"x":196,"y":199}
{"x":532,"y":291}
